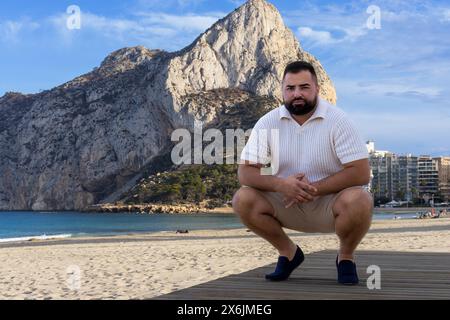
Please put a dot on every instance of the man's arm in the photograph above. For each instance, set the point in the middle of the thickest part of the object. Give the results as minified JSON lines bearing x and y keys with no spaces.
{"x":292,"y":187}
{"x":356,"y":173}
{"x":250,"y":175}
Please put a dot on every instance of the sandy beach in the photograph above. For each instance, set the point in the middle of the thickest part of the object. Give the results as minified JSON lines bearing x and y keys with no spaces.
{"x":148,"y":265}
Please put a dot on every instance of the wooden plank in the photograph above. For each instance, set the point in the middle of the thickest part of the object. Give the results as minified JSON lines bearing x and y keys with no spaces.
{"x":404,"y":275}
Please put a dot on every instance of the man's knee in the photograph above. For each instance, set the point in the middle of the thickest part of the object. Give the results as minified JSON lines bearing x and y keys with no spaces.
{"x":355,"y":200}
{"x":244,"y":200}
{"x":248,"y":203}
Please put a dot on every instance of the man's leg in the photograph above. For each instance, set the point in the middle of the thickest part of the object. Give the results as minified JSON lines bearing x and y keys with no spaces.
{"x":353,"y":216}
{"x":257,"y":214}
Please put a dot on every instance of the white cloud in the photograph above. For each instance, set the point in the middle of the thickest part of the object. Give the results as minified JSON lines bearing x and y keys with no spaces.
{"x":237,"y":3}
{"x":10,"y":30}
{"x":189,"y":22}
{"x":400,"y":126}
{"x":184,"y":3}
{"x":168,"y":4}
{"x":327,"y":25}
{"x":151,"y":29}
{"x":318,"y":37}
{"x":390,"y":88}
{"x":446,"y":15}
{"x":354,"y":33}
{"x":92,"y":22}
{"x":400,"y":132}
{"x":406,"y":58}
{"x":322,"y":37}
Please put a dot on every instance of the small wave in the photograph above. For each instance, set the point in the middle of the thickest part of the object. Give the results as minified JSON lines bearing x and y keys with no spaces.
{"x":31,"y":238}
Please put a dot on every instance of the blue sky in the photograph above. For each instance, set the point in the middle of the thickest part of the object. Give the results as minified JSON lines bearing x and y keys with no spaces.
{"x":394,"y":82}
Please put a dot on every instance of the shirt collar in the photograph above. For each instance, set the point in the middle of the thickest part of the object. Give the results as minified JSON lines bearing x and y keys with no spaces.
{"x":320,"y":112}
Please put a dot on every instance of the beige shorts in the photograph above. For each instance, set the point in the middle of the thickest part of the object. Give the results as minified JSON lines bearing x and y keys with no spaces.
{"x":312,"y":217}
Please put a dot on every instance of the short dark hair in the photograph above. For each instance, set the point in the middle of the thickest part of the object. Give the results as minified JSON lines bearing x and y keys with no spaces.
{"x":297,"y":66}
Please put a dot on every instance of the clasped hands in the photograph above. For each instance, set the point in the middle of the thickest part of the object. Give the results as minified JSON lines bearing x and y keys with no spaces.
{"x":297,"y":189}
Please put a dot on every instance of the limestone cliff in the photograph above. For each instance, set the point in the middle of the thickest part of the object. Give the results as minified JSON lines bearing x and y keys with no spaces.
{"x":88,"y":139}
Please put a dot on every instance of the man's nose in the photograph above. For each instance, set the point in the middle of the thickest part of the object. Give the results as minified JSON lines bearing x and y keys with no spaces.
{"x":298,"y":93}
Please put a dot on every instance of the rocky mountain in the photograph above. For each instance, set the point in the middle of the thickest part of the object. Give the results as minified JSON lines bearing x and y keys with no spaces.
{"x":91,"y":139}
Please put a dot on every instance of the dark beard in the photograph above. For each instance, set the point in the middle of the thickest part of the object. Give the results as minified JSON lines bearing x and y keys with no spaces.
{"x":301,"y":110}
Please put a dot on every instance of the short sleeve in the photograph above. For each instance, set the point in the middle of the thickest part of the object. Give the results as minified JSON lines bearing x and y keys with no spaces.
{"x":348,"y":144}
{"x":257,"y":149}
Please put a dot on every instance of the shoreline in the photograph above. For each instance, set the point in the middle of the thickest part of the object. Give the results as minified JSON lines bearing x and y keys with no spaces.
{"x":55,"y":237}
{"x":192,"y":209}
{"x":194,"y":234}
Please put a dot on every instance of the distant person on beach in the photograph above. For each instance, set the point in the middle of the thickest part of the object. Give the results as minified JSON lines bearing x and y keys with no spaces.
{"x":319,"y":165}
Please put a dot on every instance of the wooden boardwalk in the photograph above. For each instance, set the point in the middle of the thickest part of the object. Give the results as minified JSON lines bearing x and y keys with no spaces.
{"x":404,"y":275}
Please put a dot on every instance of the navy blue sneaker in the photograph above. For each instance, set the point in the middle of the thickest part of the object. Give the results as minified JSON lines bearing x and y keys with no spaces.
{"x":285,"y":267}
{"x":347,"y":272}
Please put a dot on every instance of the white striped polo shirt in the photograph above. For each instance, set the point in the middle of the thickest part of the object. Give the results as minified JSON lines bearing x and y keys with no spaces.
{"x":318,"y":148}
